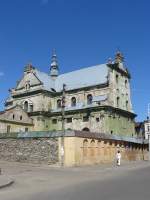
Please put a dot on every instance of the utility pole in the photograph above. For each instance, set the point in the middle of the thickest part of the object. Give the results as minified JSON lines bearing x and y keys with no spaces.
{"x":63,"y":123}
{"x":148,"y":128}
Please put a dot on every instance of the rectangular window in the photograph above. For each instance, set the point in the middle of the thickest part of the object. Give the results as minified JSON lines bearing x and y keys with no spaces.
{"x":54,"y":121}
{"x":26,"y":129}
{"x":8,"y":128}
{"x":97,"y":119}
{"x":85,"y":119}
{"x":31,"y":108}
{"x":69,"y":120}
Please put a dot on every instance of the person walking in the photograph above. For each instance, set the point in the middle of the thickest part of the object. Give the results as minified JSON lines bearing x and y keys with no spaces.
{"x":118,"y":157}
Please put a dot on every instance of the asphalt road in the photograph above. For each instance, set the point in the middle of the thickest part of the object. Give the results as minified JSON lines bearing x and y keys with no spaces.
{"x":124,"y":183}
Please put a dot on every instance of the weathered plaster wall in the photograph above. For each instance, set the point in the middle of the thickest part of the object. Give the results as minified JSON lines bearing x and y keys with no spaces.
{"x":86,"y":151}
{"x":40,"y":102}
{"x":99,"y":121}
{"x":81,"y":96}
{"x":119,"y":125}
{"x":120,"y":87}
{"x":14,"y":127}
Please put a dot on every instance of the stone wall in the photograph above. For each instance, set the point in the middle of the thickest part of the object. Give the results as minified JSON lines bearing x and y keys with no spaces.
{"x":29,"y":150}
{"x":80,"y":147}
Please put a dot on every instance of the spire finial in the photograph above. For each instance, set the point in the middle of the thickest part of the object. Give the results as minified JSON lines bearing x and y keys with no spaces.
{"x":54,"y":64}
{"x":54,"y":52}
{"x":119,"y":58}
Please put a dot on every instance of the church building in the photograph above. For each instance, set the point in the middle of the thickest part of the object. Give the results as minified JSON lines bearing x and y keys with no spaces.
{"x":95,"y":99}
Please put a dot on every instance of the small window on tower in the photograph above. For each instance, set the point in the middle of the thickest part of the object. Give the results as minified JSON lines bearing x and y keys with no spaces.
{"x":118,"y":101}
{"x":127,"y":105}
{"x":126,"y":83}
{"x":117,"y":78}
{"x":8,"y":128}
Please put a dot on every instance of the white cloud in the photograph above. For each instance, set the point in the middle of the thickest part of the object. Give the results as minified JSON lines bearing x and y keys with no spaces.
{"x":1,"y":73}
{"x":44,"y":2}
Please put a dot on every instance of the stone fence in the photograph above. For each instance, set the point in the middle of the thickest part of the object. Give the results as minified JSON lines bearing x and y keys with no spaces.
{"x":80,"y":148}
{"x":29,"y":149}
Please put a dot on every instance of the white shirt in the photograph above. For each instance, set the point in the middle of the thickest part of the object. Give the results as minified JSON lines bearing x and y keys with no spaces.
{"x":118,"y":155}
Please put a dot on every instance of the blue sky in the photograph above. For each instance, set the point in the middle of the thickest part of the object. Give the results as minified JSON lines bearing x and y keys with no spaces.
{"x":83,"y":32}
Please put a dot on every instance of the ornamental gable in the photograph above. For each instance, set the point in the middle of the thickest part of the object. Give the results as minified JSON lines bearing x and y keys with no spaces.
{"x":15,"y":114}
{"x":29,"y":80}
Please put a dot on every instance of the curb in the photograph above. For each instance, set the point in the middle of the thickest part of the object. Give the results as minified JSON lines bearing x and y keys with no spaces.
{"x":5,"y":181}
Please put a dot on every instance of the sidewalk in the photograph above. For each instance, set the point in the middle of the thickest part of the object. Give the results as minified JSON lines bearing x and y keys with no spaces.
{"x":15,"y":168}
{"x":33,"y":178}
{"x":5,"y":181}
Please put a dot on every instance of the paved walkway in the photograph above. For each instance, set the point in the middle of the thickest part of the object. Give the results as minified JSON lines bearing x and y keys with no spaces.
{"x":5,"y":181}
{"x":14,"y":171}
{"x":33,"y":179}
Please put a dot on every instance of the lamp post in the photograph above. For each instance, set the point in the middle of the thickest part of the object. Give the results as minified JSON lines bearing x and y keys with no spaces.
{"x":63,"y":123}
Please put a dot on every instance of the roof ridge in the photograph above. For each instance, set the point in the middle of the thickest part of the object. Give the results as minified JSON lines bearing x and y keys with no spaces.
{"x":36,"y":70}
{"x":84,"y":68}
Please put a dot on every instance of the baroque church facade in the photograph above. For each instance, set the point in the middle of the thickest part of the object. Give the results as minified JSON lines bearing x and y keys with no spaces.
{"x":95,"y":99}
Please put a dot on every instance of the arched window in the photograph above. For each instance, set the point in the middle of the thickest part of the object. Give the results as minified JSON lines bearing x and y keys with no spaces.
{"x":118,"y":99}
{"x":73,"y":102}
{"x":85,"y":143}
{"x":13,"y":116}
{"x":92,"y":147}
{"x":26,"y":106}
{"x":58,"y":103}
{"x":89,"y":99}
{"x":85,"y":147}
{"x":27,"y":86}
{"x":85,"y":129}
